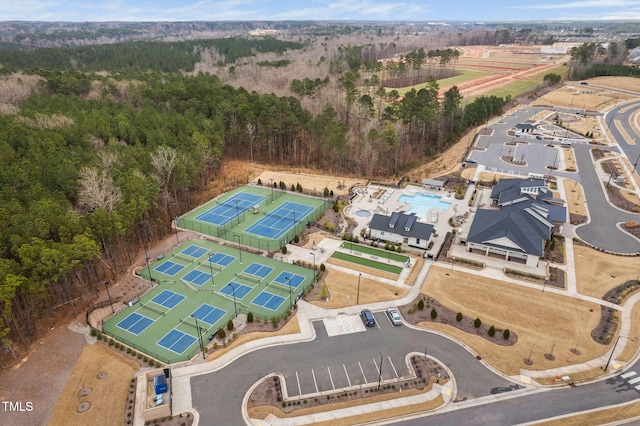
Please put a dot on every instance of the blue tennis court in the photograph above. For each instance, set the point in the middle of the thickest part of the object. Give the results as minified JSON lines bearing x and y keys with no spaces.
{"x":268,"y":300}
{"x":221,"y":259}
{"x":169,"y":268}
{"x":194,"y":251}
{"x":135,"y":323}
{"x":209,"y":314}
{"x":176,"y":341}
{"x":229,"y":209}
{"x":197,"y":277}
{"x":287,"y":278}
{"x":258,"y":269}
{"x":168,"y":299}
{"x":241,"y":289}
{"x":279,"y":221}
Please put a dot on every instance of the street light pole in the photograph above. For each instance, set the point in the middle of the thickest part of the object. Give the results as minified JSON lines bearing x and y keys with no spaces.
{"x":235,"y":309}
{"x":239,"y":249}
{"x":146,"y":255}
{"x":199,"y":336}
{"x":380,"y":372}
{"x":213,"y":284}
{"x":358,"y":296}
{"x":290,"y":300}
{"x":271,"y":182}
{"x":635,"y":341}
{"x":237,"y":211}
{"x":176,"y":226}
{"x":106,"y":285}
{"x":314,"y":266}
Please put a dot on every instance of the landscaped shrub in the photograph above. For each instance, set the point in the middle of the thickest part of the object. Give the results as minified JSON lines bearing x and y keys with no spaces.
{"x":459,"y":316}
{"x":477,"y":323}
{"x":296,"y":239}
{"x":492,"y":331}
{"x":230,"y":324}
{"x":322,"y":267}
{"x":506,"y":333}
{"x":250,"y":317}
{"x":221,"y":333}
{"x":421,"y":304}
{"x":111,"y":342}
{"x":94,"y":332}
{"x":284,"y":249}
{"x":434,"y":313}
{"x":259,"y":181}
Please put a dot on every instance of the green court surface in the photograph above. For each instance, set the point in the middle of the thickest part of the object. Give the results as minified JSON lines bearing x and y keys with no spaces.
{"x":201,"y":278}
{"x":382,"y":254}
{"x":367,"y":262}
{"x":255,"y":216}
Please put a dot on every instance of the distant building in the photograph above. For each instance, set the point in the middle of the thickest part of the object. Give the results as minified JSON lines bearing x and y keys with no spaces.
{"x":558,"y":48}
{"x":526,"y":127}
{"x":434,"y":184}
{"x":521,"y":226}
{"x":401,"y":228}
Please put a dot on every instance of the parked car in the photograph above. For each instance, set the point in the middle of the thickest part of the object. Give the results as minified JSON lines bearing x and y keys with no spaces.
{"x":565,"y":143}
{"x":367,"y":318}
{"x":394,"y":316}
{"x":539,"y":137}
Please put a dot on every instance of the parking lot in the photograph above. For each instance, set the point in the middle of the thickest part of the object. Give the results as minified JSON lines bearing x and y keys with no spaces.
{"x":360,"y":368}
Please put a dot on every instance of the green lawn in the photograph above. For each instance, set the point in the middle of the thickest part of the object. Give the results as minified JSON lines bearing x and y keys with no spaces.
{"x":367,"y":262}
{"x":382,"y":254}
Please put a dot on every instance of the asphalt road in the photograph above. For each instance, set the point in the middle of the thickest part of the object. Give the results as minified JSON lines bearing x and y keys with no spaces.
{"x":218,"y":395}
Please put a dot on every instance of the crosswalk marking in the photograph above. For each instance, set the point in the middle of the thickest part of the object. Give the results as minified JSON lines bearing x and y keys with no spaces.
{"x":638,"y":387}
{"x":629,"y":374}
{"x":632,"y":381}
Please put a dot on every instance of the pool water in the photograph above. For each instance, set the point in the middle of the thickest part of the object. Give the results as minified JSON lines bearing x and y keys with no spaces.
{"x":363,"y":213}
{"x":422,"y":203}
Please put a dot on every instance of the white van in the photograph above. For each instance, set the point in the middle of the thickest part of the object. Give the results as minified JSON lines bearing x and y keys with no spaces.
{"x":565,"y":142}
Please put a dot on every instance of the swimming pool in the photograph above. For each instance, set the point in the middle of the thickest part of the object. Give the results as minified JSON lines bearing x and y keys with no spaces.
{"x":363,"y":213}
{"x":422,"y":203}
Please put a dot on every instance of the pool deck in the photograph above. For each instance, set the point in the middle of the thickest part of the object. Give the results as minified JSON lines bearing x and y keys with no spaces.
{"x":387,"y":203}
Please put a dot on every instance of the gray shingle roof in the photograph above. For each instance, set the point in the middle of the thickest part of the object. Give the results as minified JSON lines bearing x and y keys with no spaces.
{"x":417,"y":229}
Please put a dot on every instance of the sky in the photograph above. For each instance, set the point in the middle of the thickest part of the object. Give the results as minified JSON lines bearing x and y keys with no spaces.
{"x":379,"y":10}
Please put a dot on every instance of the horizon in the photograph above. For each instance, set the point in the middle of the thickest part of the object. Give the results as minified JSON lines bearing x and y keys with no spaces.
{"x":462,"y":11}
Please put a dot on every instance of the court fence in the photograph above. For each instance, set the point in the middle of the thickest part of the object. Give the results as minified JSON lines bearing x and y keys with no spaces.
{"x":226,"y":232}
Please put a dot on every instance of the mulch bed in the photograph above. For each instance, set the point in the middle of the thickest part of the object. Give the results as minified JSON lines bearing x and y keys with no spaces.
{"x":605,"y":330}
{"x":618,"y":294}
{"x":619,"y":201}
{"x":412,"y":314}
{"x":426,"y":370}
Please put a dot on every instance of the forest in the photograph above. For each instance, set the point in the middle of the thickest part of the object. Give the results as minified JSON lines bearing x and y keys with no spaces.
{"x":95,"y":163}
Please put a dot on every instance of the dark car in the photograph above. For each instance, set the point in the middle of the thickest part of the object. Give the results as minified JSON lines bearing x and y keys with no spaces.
{"x":367,"y":318}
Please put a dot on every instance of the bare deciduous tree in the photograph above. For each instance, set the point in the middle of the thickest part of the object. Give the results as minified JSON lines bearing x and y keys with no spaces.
{"x":97,"y":190}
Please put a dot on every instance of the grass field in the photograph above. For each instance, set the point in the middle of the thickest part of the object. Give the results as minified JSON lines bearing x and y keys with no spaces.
{"x":445,"y":83}
{"x":382,"y":254}
{"x":367,"y":262}
{"x":260,"y":285}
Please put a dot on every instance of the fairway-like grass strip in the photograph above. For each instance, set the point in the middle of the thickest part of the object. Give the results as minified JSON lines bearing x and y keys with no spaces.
{"x":382,"y":254}
{"x":367,"y":262}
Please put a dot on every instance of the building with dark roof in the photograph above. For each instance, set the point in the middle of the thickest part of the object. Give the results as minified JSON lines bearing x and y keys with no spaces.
{"x":400,"y":228}
{"x":521,"y":226}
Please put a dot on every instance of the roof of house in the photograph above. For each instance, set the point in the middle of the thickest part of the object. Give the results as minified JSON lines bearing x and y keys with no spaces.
{"x":509,"y":192}
{"x":402,"y":224}
{"x":515,"y":184}
{"x":512,"y":228}
{"x":434,"y":182}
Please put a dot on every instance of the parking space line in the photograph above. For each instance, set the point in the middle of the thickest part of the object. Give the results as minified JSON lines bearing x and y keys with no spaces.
{"x":331,"y":378}
{"x":362,"y":371}
{"x":346,"y":374}
{"x":393,"y":366}
{"x":314,"y":380}
{"x":298,"y":379}
{"x":376,"y":364}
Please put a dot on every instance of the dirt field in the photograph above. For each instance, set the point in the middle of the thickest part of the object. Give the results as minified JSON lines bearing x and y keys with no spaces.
{"x":343,"y":290}
{"x":107,"y":395}
{"x":624,"y":83}
{"x":310,"y":180}
{"x":597,"y":272}
{"x":581,"y":97}
{"x":545,"y":323}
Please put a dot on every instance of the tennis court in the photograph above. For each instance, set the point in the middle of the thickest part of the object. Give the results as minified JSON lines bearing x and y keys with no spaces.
{"x":166,"y":330}
{"x":209,"y":314}
{"x":135,"y":323}
{"x":177,"y":341}
{"x":258,"y":269}
{"x":196,"y":277}
{"x":288,"y":278}
{"x":279,"y":221}
{"x":169,"y":268}
{"x":230,"y":208}
{"x":241,"y":290}
{"x":221,"y":259}
{"x":168,"y":299}
{"x":194,"y":251}
{"x":268,"y":300}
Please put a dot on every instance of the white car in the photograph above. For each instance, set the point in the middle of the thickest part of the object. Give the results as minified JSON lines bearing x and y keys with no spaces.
{"x":394,"y":316}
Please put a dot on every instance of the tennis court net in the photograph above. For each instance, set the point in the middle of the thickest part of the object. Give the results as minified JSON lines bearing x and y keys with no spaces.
{"x":152,"y":309}
{"x":212,"y":265}
{"x":248,"y":277}
{"x":280,"y":286}
{"x":183,"y":257}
